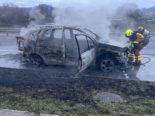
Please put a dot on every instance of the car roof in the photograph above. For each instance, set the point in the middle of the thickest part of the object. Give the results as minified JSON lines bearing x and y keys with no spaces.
{"x":53,"y":25}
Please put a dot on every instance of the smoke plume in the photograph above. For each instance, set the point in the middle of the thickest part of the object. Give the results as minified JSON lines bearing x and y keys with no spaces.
{"x":127,"y":16}
{"x":36,"y":16}
{"x":94,"y":18}
{"x":98,"y":18}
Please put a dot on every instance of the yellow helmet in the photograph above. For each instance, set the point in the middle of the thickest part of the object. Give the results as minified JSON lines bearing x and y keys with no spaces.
{"x":128,"y":32}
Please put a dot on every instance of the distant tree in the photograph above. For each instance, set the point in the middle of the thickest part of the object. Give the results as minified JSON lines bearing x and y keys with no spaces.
{"x":12,"y":15}
{"x":47,"y":11}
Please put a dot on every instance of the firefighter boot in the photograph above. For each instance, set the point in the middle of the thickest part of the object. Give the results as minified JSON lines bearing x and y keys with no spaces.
{"x":138,"y":60}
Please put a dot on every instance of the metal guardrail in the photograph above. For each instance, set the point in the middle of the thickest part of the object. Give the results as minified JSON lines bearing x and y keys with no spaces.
{"x":122,"y":34}
{"x":9,"y":30}
{"x":6,"y":31}
{"x":152,"y":39}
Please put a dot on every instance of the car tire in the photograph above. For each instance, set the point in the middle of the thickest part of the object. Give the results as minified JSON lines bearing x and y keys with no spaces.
{"x":106,"y":64}
{"x":36,"y":60}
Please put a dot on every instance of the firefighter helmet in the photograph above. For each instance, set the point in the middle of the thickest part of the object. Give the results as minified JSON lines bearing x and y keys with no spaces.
{"x":128,"y":32}
{"x":140,"y":28}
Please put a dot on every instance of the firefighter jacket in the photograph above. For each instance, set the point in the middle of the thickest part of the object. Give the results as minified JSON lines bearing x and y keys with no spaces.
{"x":136,"y":39}
{"x":146,"y":35}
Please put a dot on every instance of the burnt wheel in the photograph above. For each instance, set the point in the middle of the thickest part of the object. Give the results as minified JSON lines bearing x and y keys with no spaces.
{"x":36,"y":60}
{"x":106,"y":65}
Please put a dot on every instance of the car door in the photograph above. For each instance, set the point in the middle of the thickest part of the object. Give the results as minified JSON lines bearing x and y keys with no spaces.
{"x":72,"y":52}
{"x":86,"y":46}
{"x":51,"y":46}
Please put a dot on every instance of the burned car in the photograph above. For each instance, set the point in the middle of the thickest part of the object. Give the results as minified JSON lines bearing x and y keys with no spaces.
{"x":71,"y":46}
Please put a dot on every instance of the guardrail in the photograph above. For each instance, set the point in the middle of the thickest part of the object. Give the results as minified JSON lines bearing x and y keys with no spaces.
{"x":6,"y":31}
{"x":123,"y":34}
{"x":152,"y":39}
{"x":9,"y":29}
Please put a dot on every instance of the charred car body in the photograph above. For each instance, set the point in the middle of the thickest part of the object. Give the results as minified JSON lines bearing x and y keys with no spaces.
{"x":71,"y":46}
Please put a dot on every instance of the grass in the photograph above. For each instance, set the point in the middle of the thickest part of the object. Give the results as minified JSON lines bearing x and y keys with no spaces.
{"x":75,"y":98}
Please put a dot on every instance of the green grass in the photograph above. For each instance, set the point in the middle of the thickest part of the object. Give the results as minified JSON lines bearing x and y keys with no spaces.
{"x":75,"y":98}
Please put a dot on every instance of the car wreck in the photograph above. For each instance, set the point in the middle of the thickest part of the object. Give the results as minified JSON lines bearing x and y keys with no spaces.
{"x":70,"y":46}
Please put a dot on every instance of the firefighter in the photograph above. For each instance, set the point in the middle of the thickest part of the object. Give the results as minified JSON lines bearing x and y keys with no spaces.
{"x":138,"y":44}
{"x":145,"y":33}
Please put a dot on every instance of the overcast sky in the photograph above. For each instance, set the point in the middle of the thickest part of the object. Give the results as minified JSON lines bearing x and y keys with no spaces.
{"x":29,"y":3}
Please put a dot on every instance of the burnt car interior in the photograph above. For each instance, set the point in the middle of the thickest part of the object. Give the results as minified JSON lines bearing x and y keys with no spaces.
{"x":50,"y":44}
{"x":72,"y":52}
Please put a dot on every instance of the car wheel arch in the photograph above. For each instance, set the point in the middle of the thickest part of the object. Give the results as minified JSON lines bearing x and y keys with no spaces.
{"x":105,"y":55}
{"x":35,"y":55}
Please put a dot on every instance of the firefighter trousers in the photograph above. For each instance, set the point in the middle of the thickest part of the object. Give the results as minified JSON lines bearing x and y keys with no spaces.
{"x":135,"y":52}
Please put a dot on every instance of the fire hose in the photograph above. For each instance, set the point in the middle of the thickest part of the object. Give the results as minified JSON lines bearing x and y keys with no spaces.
{"x":148,"y":59}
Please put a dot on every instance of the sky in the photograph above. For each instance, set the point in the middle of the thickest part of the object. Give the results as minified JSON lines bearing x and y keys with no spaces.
{"x":62,"y":3}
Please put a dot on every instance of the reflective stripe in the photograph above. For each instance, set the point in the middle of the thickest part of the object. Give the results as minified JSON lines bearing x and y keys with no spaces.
{"x":138,"y":58}
{"x":131,"y":56}
{"x":140,"y":35}
{"x":135,"y":42}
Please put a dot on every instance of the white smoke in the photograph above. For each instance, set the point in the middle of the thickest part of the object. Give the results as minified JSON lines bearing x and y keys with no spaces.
{"x":36,"y":19}
{"x":128,"y":15}
{"x":95,"y":18}
{"x":94,"y":15}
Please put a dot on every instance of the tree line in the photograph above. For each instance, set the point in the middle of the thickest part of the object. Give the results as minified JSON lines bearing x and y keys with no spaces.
{"x":12,"y":15}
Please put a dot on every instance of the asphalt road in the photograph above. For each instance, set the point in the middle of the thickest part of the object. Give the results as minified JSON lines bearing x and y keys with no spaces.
{"x":10,"y":57}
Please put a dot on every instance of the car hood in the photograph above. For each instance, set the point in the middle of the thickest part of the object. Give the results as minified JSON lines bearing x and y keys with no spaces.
{"x":115,"y":43}
{"x":113,"y":46}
